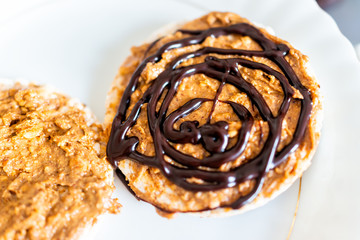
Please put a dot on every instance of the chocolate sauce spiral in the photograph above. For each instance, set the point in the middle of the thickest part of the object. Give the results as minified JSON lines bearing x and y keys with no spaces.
{"x":213,"y":136}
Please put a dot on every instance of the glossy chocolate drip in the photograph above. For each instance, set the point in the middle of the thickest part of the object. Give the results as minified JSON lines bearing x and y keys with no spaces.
{"x":213,"y":136}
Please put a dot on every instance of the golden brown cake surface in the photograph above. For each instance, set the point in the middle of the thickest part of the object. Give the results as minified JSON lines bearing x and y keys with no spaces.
{"x":54,"y":178}
{"x":149,"y":183}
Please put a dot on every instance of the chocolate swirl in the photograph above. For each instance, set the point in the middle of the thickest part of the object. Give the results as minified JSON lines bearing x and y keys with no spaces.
{"x":213,"y":136}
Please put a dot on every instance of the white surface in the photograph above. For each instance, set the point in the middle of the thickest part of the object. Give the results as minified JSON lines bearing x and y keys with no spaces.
{"x":77,"y":46}
{"x":357,"y":48}
{"x":346,"y":15}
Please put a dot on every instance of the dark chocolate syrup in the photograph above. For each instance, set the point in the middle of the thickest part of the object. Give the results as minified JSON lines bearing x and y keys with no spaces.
{"x":213,"y":136}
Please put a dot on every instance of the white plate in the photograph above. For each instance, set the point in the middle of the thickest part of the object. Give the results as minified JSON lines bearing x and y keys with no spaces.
{"x":77,"y":46}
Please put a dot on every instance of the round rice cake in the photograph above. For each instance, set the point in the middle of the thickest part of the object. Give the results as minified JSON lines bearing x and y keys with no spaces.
{"x":216,"y":118}
{"x":54,"y":177}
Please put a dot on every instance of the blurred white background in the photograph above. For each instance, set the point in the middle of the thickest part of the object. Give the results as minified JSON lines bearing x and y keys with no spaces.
{"x":346,"y":13}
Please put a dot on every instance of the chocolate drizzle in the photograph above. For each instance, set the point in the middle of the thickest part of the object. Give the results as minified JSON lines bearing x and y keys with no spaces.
{"x":213,"y":136}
